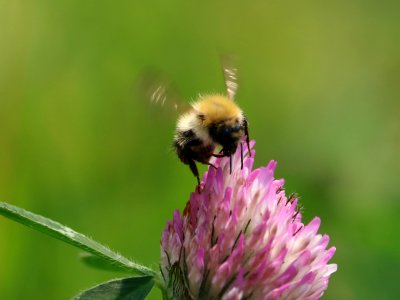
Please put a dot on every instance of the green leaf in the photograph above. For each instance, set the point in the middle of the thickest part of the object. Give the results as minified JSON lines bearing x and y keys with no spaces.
{"x":100,"y":264}
{"x":72,"y":237}
{"x":133,"y":288}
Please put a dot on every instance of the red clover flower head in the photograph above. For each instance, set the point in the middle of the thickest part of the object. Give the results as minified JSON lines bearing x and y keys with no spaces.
{"x":243,"y":238}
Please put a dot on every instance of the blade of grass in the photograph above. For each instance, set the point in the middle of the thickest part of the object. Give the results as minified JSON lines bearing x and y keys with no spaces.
{"x":67,"y":235}
{"x":99,"y":263}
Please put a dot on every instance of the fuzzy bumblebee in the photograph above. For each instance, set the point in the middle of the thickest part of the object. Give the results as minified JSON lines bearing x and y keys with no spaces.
{"x":212,"y":120}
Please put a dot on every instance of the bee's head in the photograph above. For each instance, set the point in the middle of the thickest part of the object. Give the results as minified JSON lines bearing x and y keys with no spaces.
{"x":228,"y":134}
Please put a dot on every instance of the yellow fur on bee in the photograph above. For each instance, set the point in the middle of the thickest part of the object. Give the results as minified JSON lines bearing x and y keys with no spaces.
{"x":217,"y":108}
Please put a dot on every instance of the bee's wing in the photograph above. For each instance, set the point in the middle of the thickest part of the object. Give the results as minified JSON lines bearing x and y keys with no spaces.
{"x":159,"y":90}
{"x":230,"y":76}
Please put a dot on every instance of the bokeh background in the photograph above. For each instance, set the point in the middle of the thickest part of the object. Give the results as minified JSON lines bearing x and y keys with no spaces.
{"x":319,"y":82}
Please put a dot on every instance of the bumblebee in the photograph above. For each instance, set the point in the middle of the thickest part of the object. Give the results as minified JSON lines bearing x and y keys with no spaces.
{"x":213,"y":120}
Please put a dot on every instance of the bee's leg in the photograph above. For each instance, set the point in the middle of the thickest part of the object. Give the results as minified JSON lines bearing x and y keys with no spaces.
{"x":241,"y":156}
{"x":221,"y":153}
{"x":230,"y":164}
{"x":246,"y":132}
{"x":211,"y":165}
{"x":195,"y":172}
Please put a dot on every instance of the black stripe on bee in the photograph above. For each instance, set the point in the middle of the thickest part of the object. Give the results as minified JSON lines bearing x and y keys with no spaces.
{"x":190,"y":138}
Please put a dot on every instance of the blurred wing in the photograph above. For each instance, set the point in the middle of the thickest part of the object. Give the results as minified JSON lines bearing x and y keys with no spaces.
{"x":160,"y":91}
{"x":230,"y":76}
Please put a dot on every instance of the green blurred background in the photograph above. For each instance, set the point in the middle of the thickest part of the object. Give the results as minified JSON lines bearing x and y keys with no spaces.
{"x":319,"y":82}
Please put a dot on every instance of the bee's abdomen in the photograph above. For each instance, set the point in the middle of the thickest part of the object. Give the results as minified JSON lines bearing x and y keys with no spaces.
{"x":189,"y":147}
